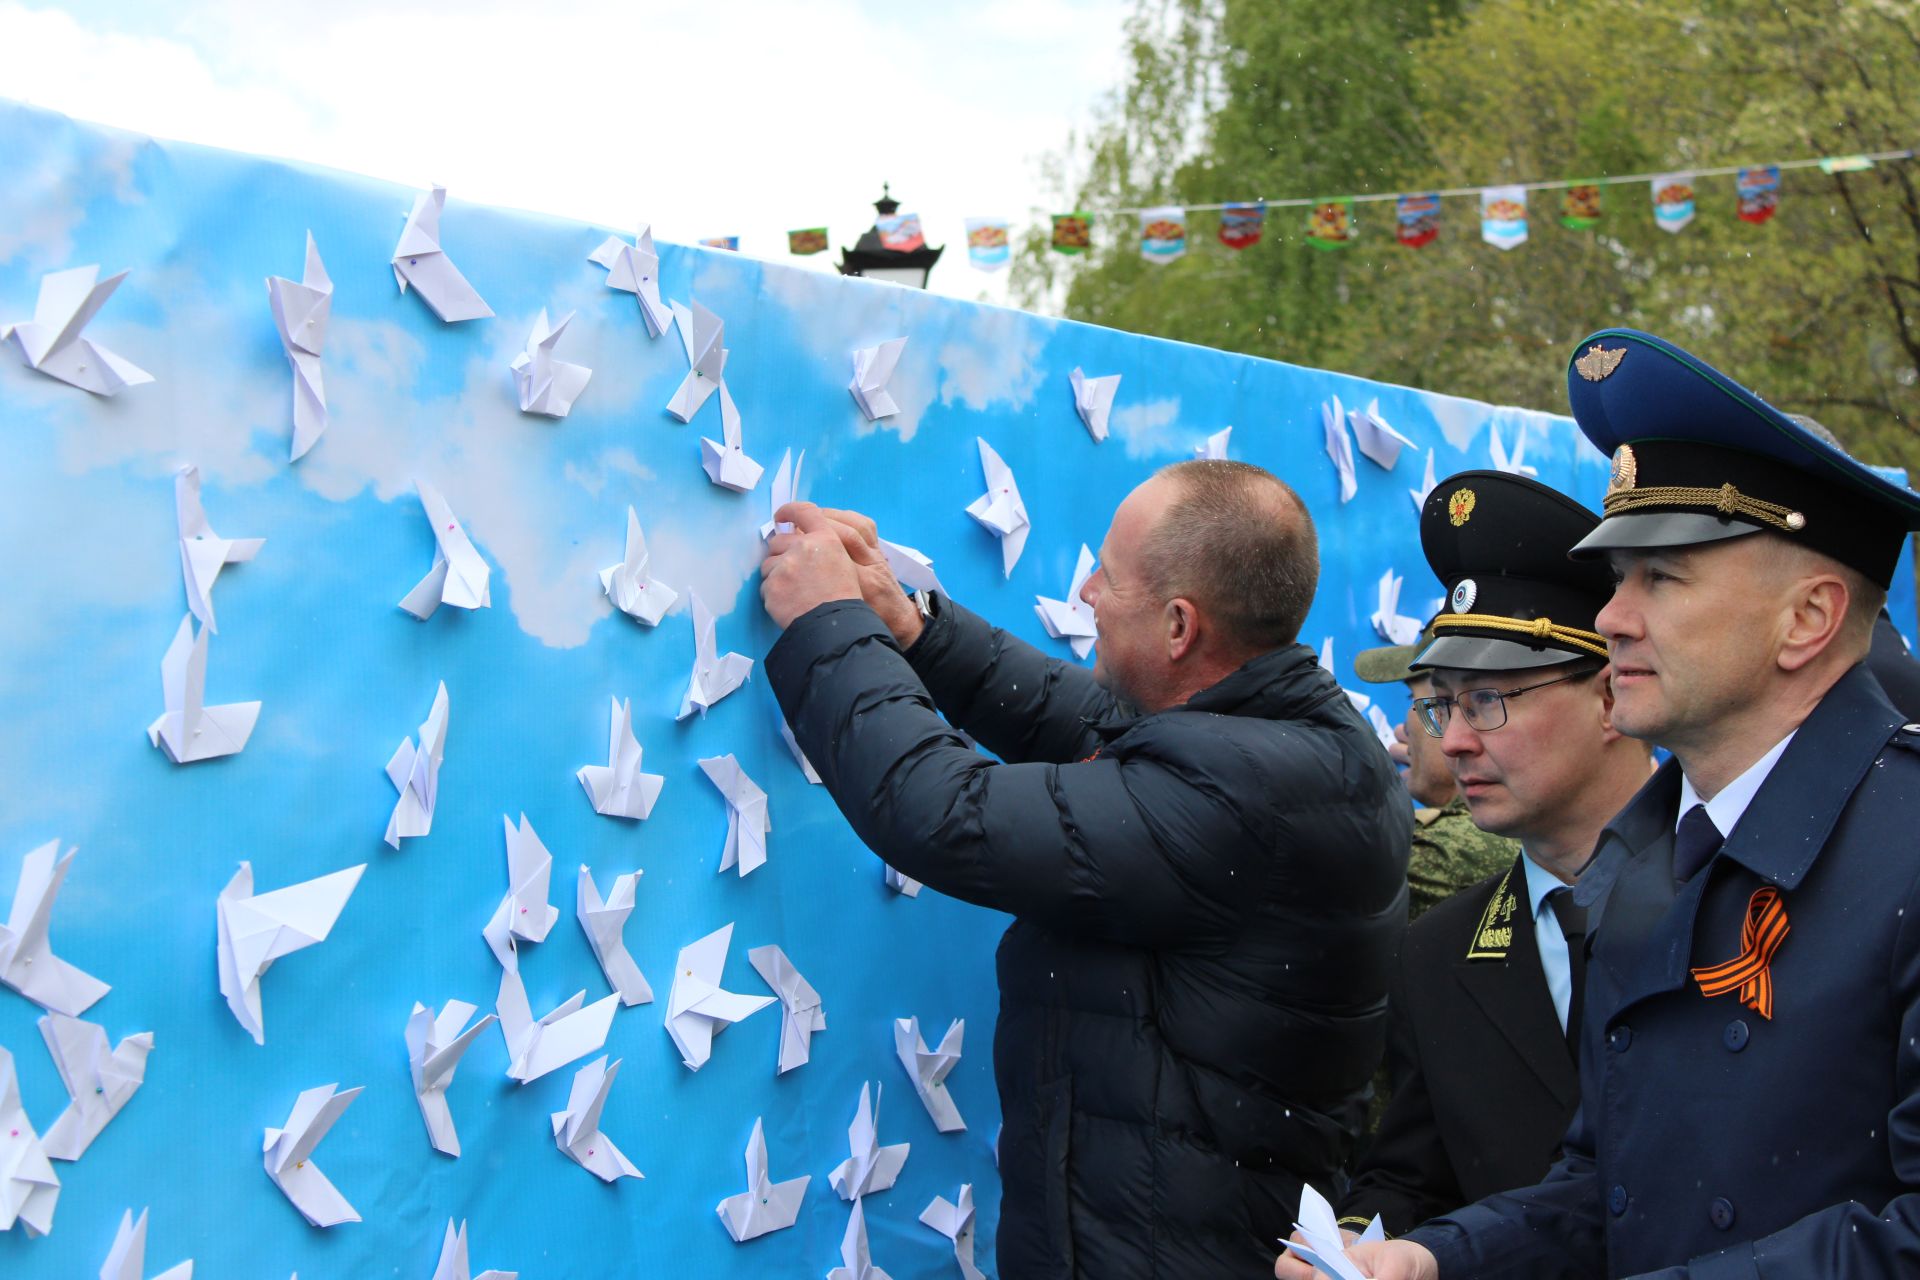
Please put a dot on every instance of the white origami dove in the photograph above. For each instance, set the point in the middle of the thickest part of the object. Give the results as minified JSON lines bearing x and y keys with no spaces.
{"x":576,"y":1131}
{"x":872,"y":370}
{"x":904,"y":885}
{"x":697,"y":1009}
{"x":98,"y":1080}
{"x":415,"y":774}
{"x":635,"y":268}
{"x":1215,"y":445}
{"x":701,"y":333}
{"x":435,"y":1046}
{"x":604,"y":923}
{"x":1360,"y":700}
{"x":289,"y":1156}
{"x":568,"y":1033}
{"x":255,"y":930}
{"x":1093,"y":400}
{"x":807,"y":770}
{"x":548,"y":385}
{"x":1427,"y":484}
{"x":747,"y":820}
{"x":1517,"y":464}
{"x":127,"y":1260}
{"x":1071,"y":619}
{"x":1325,"y":1246}
{"x":871,"y":1167}
{"x":999,"y":510}
{"x":51,"y":341}
{"x":786,"y":483}
{"x":453,"y":1263}
{"x":801,"y":1014}
{"x":189,"y":730}
{"x":954,"y":1220}
{"x":1393,"y":626}
{"x":714,"y":677}
{"x":524,"y":915}
{"x":202,"y":551}
{"x":618,"y":788}
{"x":300,"y":314}
{"x":459,"y":576}
{"x":765,"y":1205}
{"x":28,"y":1186}
{"x":631,"y":584}
{"x":725,"y":460}
{"x":1340,"y":447}
{"x":928,"y":1069}
{"x":27,"y":962}
{"x":1378,"y":441}
{"x":419,"y":261}
{"x":913,"y":570}
{"x":857,"y":1264}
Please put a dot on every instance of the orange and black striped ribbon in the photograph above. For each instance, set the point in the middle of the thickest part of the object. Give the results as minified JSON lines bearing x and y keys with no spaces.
{"x":1760,"y":937}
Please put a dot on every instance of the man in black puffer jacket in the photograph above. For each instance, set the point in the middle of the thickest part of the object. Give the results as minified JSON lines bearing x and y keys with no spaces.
{"x":1202,"y":842}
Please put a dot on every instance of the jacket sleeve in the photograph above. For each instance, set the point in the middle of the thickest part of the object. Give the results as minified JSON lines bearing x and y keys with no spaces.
{"x":1016,"y":701}
{"x":1149,"y":852}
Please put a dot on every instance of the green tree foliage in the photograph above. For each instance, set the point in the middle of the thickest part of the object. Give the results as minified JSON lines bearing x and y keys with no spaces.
{"x":1236,"y":99}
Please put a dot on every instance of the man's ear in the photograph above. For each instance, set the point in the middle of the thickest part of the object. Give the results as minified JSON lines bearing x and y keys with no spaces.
{"x":1603,"y":682}
{"x":1183,"y":628}
{"x":1816,"y":614}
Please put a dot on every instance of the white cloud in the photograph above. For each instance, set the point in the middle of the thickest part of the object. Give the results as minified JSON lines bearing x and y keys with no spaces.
{"x":1147,"y":428}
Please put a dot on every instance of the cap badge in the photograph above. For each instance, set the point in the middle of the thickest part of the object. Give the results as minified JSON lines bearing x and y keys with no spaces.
{"x":1460,"y":507}
{"x":1626,"y":470}
{"x":1598,"y":362}
{"x":1464,"y":593}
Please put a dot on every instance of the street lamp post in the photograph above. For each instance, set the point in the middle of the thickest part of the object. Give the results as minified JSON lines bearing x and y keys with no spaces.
{"x":871,"y":258}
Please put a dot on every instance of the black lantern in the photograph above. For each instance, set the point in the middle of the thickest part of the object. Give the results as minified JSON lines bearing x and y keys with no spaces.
{"x":875,"y":261}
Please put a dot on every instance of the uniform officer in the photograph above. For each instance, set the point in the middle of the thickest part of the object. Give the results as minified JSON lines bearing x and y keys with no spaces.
{"x":1750,"y":1057}
{"x":1486,"y":1004}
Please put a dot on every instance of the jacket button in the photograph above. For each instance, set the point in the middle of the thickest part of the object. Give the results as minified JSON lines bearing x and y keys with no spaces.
{"x":1721,"y":1213}
{"x":1619,"y":1038}
{"x":1735,"y":1036}
{"x":1617,"y":1202}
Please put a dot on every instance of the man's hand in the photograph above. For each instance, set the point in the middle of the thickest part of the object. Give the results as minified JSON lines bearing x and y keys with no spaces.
{"x":807,"y":567}
{"x":1398,"y":751}
{"x":860,"y":540}
{"x":1385,"y":1260}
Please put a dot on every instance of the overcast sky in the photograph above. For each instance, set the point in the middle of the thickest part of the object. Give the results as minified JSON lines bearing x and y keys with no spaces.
{"x":745,"y":117}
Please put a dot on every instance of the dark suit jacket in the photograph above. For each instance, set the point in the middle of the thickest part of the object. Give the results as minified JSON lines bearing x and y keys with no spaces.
{"x":1489,"y":1083}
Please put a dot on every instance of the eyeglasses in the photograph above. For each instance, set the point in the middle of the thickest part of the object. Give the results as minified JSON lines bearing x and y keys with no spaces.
{"x":1483,"y":709}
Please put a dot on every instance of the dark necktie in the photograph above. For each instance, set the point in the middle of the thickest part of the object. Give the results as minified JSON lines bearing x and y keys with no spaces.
{"x":1573,"y":926}
{"x":1696,"y":841}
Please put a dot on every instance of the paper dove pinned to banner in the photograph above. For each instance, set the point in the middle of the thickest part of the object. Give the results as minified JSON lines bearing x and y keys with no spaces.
{"x":747,"y":820}
{"x":28,"y":1186}
{"x":548,"y":385}
{"x":189,"y":730}
{"x":635,"y":268}
{"x":1325,"y":1247}
{"x":98,"y":1080}
{"x":51,"y":341}
{"x":568,"y":1033}
{"x":701,"y":333}
{"x":524,"y":915}
{"x":1360,"y":700}
{"x":415,"y":774}
{"x":618,"y":788}
{"x":913,"y":570}
{"x":459,"y":576}
{"x":289,"y":1156}
{"x":871,"y":1167}
{"x":1215,"y":447}
{"x":928,"y":1069}
{"x":419,"y":261}
{"x":1378,"y":441}
{"x":631,"y":584}
{"x":697,"y":1009}
{"x":801,"y":1014}
{"x":904,"y":885}
{"x":1339,"y":448}
{"x":27,"y":962}
{"x":786,"y":484}
{"x":1426,"y":486}
{"x":1093,"y":400}
{"x":254,"y":930}
{"x":300,"y":315}
{"x":453,"y":1263}
{"x":604,"y":922}
{"x":127,"y":1260}
{"x":765,"y":1205}
{"x":576,"y":1131}
{"x":434,"y":1049}
{"x":1382,"y":727}
{"x":202,"y":551}
{"x":724,"y":460}
{"x":1517,"y":464}
{"x":1393,"y":626}
{"x":714,"y":677}
{"x":872,"y":370}
{"x":807,"y":770}
{"x":954,"y":1220}
{"x":856,"y":1262}
{"x":999,"y":510}
{"x":1071,"y":619}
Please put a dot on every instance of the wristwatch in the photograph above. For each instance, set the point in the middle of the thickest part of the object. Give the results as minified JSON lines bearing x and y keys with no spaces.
{"x":924,"y":600}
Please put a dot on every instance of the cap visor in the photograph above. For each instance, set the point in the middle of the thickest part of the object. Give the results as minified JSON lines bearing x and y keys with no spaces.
{"x":1385,"y":666}
{"x":1657,"y":529}
{"x":1478,"y":653}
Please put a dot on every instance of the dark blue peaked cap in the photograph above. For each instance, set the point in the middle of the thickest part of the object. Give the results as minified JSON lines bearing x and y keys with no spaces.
{"x":1698,"y":458}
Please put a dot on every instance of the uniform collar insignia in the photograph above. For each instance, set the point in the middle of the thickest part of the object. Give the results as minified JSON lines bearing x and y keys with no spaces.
{"x":1494,"y":935}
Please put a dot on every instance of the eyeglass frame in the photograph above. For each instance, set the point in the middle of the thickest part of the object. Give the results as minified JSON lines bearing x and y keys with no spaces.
{"x":1427,"y":708}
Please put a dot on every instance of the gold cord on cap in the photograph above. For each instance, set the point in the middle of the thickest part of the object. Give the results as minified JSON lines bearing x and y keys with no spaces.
{"x":1726,"y":500}
{"x":1538,"y":628}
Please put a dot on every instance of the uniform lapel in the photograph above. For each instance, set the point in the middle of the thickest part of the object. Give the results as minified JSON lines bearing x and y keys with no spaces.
{"x":1511,"y":989}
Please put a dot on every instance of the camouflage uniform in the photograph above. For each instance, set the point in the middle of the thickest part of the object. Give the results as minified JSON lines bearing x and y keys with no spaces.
{"x":1450,"y":853}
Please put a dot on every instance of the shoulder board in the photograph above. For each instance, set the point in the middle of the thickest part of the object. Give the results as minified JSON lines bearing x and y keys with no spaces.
{"x":1427,"y":817}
